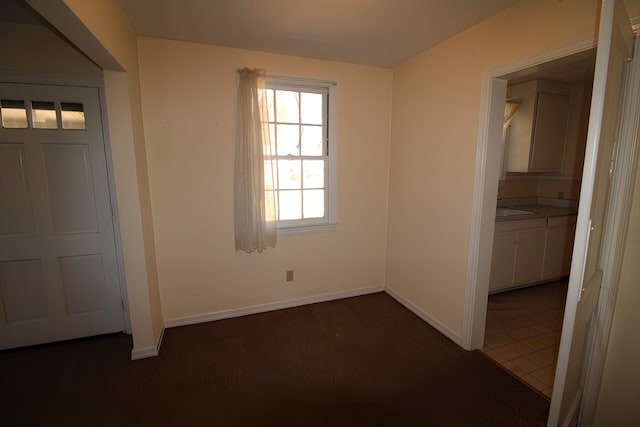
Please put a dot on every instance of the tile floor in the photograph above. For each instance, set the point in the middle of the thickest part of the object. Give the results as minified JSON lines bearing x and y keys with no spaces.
{"x":523,"y":332}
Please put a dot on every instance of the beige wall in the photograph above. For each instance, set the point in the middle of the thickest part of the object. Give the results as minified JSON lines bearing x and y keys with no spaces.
{"x":188,"y":93}
{"x":436,"y":97}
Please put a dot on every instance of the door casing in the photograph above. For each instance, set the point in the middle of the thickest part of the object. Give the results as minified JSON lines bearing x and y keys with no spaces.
{"x":486,"y":182}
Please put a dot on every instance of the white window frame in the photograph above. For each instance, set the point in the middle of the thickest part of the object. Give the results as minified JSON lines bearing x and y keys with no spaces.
{"x":328,"y":222}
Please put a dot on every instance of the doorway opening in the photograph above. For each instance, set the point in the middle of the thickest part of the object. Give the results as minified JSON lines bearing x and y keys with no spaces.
{"x":538,"y":191}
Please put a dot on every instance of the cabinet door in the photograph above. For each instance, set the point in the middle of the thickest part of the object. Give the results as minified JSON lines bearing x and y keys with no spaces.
{"x":550,"y":131}
{"x":502,"y":261}
{"x":557,"y":257}
{"x":529,"y":256}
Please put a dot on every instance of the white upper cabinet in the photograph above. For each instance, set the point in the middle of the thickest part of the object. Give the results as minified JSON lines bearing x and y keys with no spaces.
{"x":538,"y":131}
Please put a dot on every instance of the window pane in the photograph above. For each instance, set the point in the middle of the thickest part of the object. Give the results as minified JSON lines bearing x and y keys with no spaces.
{"x":72,"y":115}
{"x":311,"y":108}
{"x":288,"y":141}
{"x":289,"y":174}
{"x":14,"y":115}
{"x":313,"y":203}
{"x":290,"y":204}
{"x":270,"y":110}
{"x":313,"y":173}
{"x":311,"y":139}
{"x":287,"y":106}
{"x":43,"y":114}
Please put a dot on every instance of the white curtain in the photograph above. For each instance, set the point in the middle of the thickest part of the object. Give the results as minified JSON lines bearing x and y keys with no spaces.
{"x":255,"y":213}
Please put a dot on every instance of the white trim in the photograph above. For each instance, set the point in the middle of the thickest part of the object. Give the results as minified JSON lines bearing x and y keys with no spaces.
{"x":440,"y":327}
{"x":282,"y":79}
{"x":569,"y":47}
{"x":262,"y":308}
{"x":146,"y":352}
{"x":572,"y":414}
{"x":618,"y":218}
{"x":476,"y":301}
{"x":483,"y":216}
{"x":307,"y":229}
{"x":115,"y":217}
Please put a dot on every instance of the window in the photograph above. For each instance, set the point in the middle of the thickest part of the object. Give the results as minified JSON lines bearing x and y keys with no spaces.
{"x":44,"y":114}
{"x":302,"y":153}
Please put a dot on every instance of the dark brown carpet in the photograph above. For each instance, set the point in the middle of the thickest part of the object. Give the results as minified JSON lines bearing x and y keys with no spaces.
{"x":364,"y":361}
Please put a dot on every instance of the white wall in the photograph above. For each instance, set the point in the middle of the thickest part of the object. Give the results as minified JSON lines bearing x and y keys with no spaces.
{"x":436,"y":102}
{"x":188,"y":100}
{"x":29,"y":48}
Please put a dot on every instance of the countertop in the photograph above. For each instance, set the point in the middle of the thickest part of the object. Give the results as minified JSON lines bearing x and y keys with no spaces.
{"x":539,"y":211}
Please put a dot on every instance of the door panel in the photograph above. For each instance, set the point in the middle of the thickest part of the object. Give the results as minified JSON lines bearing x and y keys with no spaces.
{"x":23,"y":290}
{"x":15,"y":217}
{"x":70,"y":188}
{"x":615,"y":44}
{"x":58,"y":268}
{"x":83,"y":281}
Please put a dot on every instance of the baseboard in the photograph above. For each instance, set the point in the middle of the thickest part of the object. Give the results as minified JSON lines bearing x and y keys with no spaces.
{"x":424,"y":316}
{"x":261,"y":308}
{"x":145,"y":352}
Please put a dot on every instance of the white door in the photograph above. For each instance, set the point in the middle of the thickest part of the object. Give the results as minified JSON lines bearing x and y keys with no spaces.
{"x":615,"y":48}
{"x":58,"y":271}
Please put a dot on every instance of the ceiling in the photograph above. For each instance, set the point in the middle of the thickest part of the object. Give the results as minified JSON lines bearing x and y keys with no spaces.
{"x":575,"y":68}
{"x":380,"y":33}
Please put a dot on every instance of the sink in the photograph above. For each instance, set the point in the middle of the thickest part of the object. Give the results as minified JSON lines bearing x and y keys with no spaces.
{"x":511,"y":212}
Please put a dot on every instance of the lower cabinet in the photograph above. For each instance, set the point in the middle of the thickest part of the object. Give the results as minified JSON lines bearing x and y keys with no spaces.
{"x":559,"y":247}
{"x":502,"y":260}
{"x":529,"y":256}
{"x":531,"y":250}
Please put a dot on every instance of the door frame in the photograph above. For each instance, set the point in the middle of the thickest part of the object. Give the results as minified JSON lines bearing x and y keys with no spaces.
{"x":97,"y":82}
{"x":485,"y":192}
{"x":485,"y":189}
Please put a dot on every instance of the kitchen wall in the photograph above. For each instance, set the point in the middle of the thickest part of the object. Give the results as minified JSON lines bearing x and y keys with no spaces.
{"x":188,"y":99}
{"x":436,"y":106}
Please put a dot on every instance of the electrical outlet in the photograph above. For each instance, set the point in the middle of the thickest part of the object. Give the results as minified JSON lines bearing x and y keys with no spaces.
{"x":289,"y":275}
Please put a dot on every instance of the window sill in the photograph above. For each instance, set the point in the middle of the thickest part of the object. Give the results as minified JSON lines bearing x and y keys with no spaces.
{"x":307,"y":229}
